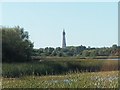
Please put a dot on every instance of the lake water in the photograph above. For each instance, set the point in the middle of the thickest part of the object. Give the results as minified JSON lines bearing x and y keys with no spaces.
{"x":116,"y":59}
{"x":110,"y":59}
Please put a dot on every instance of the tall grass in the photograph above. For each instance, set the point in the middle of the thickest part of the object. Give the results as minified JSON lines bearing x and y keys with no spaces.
{"x":70,"y":80}
{"x":49,"y":67}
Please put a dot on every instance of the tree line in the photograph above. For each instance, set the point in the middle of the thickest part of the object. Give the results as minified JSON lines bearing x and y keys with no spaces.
{"x":16,"y":47}
{"x":80,"y":51}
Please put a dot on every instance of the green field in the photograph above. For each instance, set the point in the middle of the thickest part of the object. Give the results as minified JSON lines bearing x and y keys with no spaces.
{"x":71,"y":80}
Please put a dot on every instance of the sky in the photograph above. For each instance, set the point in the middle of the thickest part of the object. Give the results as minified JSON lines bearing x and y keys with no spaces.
{"x":92,"y":24}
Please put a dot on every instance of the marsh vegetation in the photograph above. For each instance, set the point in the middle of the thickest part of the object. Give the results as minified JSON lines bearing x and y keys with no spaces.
{"x":108,"y":79}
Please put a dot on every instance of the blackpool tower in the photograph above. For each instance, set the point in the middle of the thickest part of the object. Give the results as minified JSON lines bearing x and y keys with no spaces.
{"x":64,"y":40}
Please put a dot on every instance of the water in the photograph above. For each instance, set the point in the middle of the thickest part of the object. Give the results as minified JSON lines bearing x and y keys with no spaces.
{"x":115,"y":59}
{"x":110,"y":59}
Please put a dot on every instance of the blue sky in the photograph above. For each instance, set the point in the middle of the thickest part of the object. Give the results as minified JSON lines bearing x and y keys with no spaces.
{"x":92,"y":24}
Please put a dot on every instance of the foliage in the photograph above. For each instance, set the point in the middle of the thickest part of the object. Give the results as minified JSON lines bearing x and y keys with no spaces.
{"x":16,"y":46}
{"x":79,"y":51}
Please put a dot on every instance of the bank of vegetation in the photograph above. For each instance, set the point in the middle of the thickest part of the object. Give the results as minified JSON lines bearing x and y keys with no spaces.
{"x":57,"y":67}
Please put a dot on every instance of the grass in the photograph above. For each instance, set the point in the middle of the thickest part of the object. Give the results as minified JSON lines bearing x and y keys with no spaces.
{"x":107,"y":79}
{"x":61,"y":73}
{"x":57,"y":66}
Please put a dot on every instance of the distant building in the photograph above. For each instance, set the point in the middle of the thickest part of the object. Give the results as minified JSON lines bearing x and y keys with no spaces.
{"x":64,"y":40}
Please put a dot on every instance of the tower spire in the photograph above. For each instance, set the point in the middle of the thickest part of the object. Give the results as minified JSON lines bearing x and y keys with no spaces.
{"x":64,"y":40}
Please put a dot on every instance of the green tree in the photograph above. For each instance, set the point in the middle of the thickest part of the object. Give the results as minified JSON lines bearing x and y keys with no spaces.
{"x":93,"y":53}
{"x":85,"y":53}
{"x":16,"y":46}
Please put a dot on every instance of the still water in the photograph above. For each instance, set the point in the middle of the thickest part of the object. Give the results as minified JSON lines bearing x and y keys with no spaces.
{"x":110,"y":59}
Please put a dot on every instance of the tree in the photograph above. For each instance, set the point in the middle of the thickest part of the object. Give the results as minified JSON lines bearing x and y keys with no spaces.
{"x":93,"y":53}
{"x":115,"y":50}
{"x":114,"y":46}
{"x":54,"y":53}
{"x":85,"y":53}
{"x":16,"y":46}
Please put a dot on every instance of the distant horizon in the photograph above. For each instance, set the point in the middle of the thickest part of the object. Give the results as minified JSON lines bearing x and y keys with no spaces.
{"x":93,"y":24}
{"x":80,"y":45}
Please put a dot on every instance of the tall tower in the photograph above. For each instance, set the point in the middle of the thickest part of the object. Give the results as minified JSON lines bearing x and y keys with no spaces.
{"x":64,"y":40}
